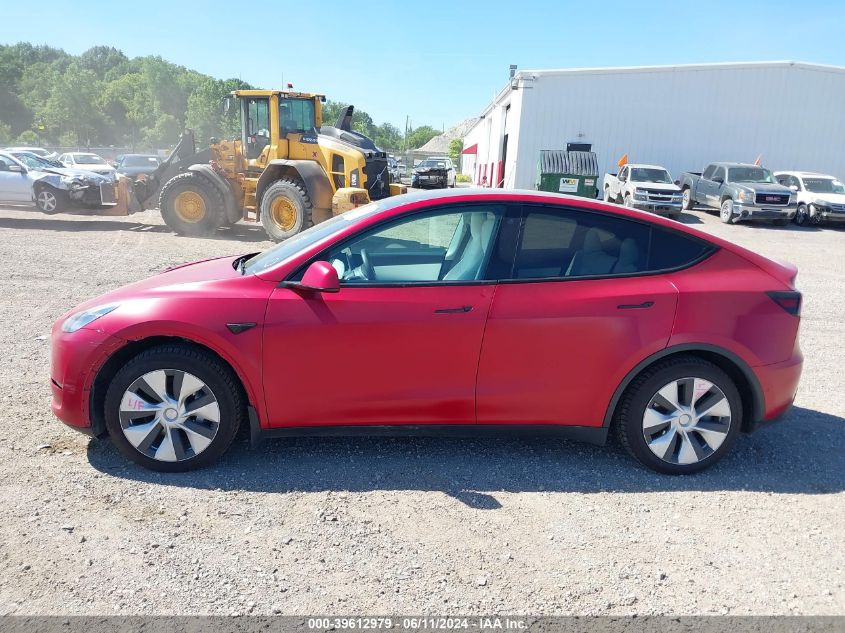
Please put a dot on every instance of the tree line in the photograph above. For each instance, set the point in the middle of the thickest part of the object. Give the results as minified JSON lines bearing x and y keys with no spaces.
{"x":103,"y":98}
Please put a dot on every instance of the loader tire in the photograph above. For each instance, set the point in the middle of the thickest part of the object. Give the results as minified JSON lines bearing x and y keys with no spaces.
{"x":190,"y":205}
{"x":286,"y":209}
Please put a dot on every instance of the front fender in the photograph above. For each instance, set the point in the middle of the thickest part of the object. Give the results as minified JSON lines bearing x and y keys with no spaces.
{"x":241,"y":351}
{"x":222,"y":185}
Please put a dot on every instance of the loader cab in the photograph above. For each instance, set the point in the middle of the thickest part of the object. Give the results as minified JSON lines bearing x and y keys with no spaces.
{"x":269,"y":117}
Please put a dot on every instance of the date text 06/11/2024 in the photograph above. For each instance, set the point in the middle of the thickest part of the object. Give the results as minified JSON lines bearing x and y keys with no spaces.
{"x":424,"y":623}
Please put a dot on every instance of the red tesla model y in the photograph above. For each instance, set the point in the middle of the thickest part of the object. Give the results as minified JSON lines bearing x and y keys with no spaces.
{"x":442,"y":312}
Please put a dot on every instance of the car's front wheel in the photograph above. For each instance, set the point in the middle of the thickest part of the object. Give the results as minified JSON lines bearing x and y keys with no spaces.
{"x":726,"y":211}
{"x":174,"y":408}
{"x":802,"y":215}
{"x":49,"y":200}
{"x":680,"y":416}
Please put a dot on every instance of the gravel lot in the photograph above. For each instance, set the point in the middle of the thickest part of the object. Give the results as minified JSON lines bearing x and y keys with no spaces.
{"x":430,"y":526}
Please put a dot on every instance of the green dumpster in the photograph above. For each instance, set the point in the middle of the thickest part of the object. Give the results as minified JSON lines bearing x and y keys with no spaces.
{"x":568,"y":171}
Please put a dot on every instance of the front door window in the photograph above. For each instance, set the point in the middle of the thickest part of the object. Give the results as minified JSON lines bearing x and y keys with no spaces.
{"x":257,"y":126}
{"x":438,"y":247}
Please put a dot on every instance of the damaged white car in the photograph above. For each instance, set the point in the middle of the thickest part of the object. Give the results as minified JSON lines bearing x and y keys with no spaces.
{"x":26,"y":178}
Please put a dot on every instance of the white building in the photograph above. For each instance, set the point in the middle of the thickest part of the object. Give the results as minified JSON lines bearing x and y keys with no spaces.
{"x":681,"y":117}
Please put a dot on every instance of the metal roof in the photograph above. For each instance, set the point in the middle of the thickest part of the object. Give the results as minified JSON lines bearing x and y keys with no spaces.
{"x":527,"y":74}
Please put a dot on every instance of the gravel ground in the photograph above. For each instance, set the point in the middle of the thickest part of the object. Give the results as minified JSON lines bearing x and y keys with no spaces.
{"x":429,"y":526}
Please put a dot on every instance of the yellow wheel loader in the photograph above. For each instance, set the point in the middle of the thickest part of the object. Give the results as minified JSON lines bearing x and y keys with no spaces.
{"x":287,"y":170}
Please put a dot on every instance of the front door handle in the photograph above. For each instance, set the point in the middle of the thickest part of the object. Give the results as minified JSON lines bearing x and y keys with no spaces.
{"x":451,"y":310}
{"x":635,"y":306}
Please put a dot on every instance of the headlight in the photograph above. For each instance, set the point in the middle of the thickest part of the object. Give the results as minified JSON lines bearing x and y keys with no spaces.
{"x":353,"y":177}
{"x":744,"y":196}
{"x":640,"y":194}
{"x":79,"y":320}
{"x":822,"y":203}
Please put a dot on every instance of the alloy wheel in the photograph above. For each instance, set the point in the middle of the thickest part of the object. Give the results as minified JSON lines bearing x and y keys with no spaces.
{"x":169,"y":415}
{"x":686,"y":199}
{"x":727,"y":210}
{"x":47,"y":201}
{"x":686,"y":421}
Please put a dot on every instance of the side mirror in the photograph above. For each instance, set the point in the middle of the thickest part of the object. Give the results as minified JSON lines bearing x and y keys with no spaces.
{"x":718,"y":180}
{"x":318,"y":277}
{"x":17,"y":168}
{"x":794,"y":187}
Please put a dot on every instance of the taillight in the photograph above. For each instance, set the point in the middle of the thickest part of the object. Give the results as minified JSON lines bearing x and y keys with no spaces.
{"x":789,"y":300}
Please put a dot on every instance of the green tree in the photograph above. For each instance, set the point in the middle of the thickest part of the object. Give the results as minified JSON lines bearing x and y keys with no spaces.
{"x":27,"y":137}
{"x":5,"y":133}
{"x":420,"y":136}
{"x":101,"y":59}
{"x":456,"y":146}
{"x":387,"y":137}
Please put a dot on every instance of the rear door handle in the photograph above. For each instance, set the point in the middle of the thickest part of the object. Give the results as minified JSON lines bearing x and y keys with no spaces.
{"x":451,"y":310}
{"x":635,"y":306}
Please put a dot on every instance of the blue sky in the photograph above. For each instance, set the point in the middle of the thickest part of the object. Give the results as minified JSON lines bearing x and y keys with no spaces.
{"x":437,"y":62}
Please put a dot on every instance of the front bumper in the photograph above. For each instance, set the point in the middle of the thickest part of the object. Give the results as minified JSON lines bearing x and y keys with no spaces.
{"x":754,"y":212}
{"x":826,"y":214}
{"x":658,"y":207}
{"x":93,"y":193}
{"x":75,"y":359}
{"x":429,"y":181}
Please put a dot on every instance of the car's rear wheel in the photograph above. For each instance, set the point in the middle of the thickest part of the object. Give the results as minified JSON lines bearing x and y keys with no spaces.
{"x":687,"y":203}
{"x":174,"y":408}
{"x":680,"y":416}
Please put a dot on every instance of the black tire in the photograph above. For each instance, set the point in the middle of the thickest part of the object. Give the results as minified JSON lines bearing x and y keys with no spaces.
{"x":207,"y":221}
{"x":802,"y":215}
{"x":294,"y":192}
{"x":688,"y":202}
{"x":628,"y":419}
{"x":50,"y":200}
{"x":204,"y":365}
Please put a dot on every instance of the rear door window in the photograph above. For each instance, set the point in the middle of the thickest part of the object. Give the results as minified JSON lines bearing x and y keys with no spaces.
{"x":565,"y":243}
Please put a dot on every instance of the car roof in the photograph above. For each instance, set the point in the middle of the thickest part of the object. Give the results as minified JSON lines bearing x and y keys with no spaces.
{"x":646,"y":165}
{"x":728,"y":164}
{"x":805,"y":174}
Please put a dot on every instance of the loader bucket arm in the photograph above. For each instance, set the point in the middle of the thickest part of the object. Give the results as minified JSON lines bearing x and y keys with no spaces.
{"x":181,"y":154}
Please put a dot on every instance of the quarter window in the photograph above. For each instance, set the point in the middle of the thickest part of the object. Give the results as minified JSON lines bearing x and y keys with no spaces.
{"x":441,"y":246}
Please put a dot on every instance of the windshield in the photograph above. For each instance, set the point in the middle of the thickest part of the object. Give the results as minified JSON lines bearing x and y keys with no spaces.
{"x":650,"y":174}
{"x":32,"y":161}
{"x":140,"y":161}
{"x":436,"y":164}
{"x":750,"y":174}
{"x":824,"y":185}
{"x":297,"y":115}
{"x":308,"y":237}
{"x":88,"y":159}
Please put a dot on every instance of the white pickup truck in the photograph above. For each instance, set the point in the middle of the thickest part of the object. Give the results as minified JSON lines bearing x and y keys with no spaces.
{"x":647,"y":187}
